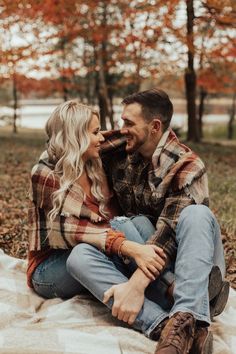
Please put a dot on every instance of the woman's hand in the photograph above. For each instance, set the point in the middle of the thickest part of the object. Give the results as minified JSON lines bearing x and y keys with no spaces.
{"x":95,"y":217}
{"x":151,"y":259}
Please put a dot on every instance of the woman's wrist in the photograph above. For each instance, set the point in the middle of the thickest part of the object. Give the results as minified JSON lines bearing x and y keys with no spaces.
{"x":114,"y":241}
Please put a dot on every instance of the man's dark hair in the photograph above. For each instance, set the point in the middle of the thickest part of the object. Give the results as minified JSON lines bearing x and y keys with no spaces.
{"x":155,"y":103}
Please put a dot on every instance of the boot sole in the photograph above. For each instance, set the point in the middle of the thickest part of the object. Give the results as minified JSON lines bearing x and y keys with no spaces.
{"x":215,"y":282}
{"x":218,"y":304}
{"x":208,"y":345}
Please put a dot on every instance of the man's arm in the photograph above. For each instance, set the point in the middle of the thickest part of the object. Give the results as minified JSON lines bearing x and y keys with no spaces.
{"x":189,"y":185}
{"x":149,"y":258}
{"x":165,"y":234}
{"x":128,"y":298}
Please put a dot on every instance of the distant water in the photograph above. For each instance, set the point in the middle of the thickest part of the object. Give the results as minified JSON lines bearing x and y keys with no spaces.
{"x":35,"y":116}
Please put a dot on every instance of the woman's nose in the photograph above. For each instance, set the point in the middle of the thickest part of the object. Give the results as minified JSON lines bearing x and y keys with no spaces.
{"x":101,"y":137}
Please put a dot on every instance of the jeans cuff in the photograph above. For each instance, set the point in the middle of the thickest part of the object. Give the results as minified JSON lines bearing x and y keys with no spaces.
{"x":155,"y":324}
{"x":197,"y":316}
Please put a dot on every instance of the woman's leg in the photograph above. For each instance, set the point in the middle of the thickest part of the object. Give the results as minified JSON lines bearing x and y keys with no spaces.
{"x":51,"y":279}
{"x":137,"y":228}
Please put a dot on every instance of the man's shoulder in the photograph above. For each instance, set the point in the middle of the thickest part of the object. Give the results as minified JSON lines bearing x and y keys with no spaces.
{"x":180,"y":151}
{"x":177,"y":165}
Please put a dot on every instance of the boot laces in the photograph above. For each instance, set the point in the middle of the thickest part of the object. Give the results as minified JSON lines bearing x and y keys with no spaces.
{"x":182,"y":328}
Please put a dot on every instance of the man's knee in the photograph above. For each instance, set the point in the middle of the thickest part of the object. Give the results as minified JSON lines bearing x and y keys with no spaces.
{"x":195,"y":214}
{"x":197,"y":220}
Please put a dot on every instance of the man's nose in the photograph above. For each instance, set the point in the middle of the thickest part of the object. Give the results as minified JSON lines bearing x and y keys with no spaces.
{"x":124,"y":131}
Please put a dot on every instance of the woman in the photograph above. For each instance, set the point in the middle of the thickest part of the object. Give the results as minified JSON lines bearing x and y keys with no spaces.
{"x":71,"y":203}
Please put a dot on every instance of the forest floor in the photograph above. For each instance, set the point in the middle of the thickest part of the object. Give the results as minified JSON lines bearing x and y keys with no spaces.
{"x":18,"y":153}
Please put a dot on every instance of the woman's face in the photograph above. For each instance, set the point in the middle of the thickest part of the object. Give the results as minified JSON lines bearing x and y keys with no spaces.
{"x":96,"y":139}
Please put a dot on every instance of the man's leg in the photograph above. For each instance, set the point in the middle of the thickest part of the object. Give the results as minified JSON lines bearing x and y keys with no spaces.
{"x":199,"y":248}
{"x":51,"y":279}
{"x":98,"y":273}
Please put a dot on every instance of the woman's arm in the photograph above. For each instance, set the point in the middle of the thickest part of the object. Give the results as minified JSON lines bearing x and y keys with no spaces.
{"x":97,"y":241}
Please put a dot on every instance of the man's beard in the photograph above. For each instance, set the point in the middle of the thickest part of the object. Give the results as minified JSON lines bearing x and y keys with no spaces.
{"x":134,"y":147}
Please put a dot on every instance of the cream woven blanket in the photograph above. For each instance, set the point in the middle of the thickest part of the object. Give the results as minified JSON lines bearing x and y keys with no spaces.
{"x":30,"y":324}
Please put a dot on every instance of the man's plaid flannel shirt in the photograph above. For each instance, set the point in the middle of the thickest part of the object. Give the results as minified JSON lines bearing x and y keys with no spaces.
{"x":160,"y":189}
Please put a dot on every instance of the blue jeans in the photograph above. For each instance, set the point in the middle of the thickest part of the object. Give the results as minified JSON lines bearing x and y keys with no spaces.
{"x":51,"y":278}
{"x":199,"y":248}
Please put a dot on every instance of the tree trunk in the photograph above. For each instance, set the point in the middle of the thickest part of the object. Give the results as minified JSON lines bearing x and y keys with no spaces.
{"x":201,"y":109}
{"x":64,"y":90}
{"x":102,"y":94}
{"x":101,"y":87}
{"x":231,"y":119}
{"x":137,"y":82}
{"x":190,"y":78}
{"x":107,"y":79}
{"x":15,"y":103}
{"x":63,"y":77}
{"x":100,"y":61}
{"x":112,"y":111}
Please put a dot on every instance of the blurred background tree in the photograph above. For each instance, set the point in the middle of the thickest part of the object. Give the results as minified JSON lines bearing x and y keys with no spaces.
{"x":103,"y":50}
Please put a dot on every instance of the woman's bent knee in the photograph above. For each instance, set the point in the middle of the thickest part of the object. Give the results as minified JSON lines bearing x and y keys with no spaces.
{"x":80,"y":257}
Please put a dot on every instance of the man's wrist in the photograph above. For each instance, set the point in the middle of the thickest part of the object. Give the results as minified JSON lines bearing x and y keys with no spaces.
{"x":139,"y":280}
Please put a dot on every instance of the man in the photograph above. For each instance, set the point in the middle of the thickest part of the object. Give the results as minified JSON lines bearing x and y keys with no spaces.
{"x":161,"y":178}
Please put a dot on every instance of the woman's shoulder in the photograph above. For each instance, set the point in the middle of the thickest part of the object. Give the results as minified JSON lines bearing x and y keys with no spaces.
{"x":43,"y":184}
{"x":40,"y":171}
{"x":43,"y":174}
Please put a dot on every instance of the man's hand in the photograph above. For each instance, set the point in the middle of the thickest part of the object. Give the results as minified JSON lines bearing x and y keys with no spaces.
{"x":128,"y":297}
{"x":150,"y":259}
{"x":127,"y":303}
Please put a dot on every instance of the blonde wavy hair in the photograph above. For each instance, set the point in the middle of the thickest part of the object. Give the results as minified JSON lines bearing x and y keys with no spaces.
{"x":67,"y":130}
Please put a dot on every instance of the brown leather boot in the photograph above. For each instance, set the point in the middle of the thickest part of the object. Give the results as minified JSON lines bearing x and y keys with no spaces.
{"x":156,"y":333}
{"x":177,"y":335}
{"x":203,"y":341}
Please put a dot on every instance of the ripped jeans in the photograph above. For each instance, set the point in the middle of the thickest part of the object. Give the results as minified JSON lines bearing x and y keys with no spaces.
{"x":199,"y":248}
{"x":51,"y":278}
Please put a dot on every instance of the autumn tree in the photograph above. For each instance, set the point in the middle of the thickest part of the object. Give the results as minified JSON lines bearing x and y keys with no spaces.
{"x":217,"y":55}
{"x":15,"y":48}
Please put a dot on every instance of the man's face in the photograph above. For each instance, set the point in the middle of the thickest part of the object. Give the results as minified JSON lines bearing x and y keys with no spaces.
{"x":136,"y":129}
